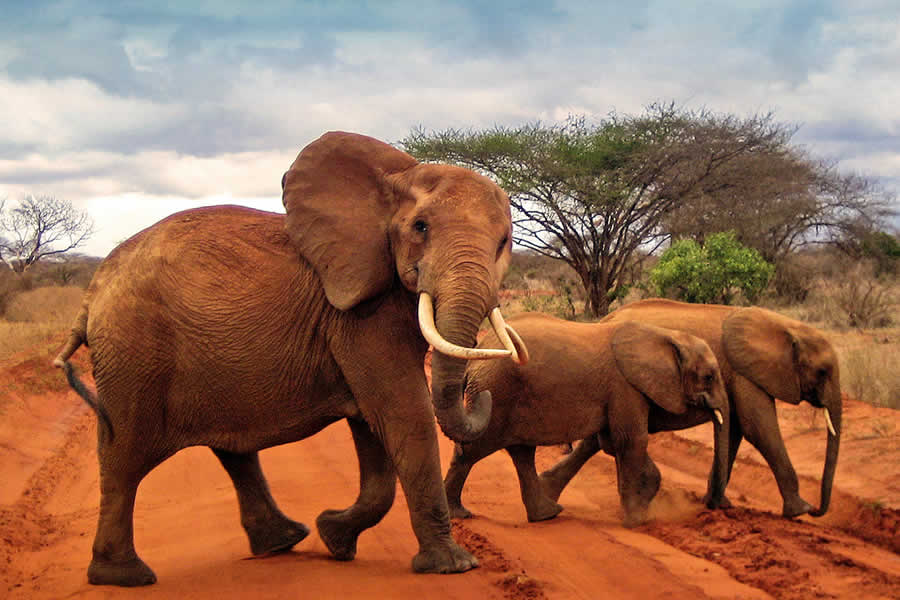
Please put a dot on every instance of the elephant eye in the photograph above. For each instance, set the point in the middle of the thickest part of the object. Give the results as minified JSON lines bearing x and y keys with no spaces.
{"x":420,"y":226}
{"x":502,"y":245}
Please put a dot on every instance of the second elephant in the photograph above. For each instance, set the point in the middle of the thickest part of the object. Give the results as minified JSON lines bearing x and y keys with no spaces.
{"x":584,"y":379}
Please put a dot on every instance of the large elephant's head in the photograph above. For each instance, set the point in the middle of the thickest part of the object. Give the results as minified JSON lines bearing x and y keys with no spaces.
{"x":676,"y":371}
{"x":369,"y":217}
{"x":793,"y":362}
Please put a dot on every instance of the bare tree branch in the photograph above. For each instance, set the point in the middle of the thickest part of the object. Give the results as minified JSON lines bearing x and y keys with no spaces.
{"x":40,"y":227}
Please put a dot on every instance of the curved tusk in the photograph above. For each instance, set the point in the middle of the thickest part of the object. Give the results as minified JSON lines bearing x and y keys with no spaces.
{"x":504,"y":332}
{"x":829,"y":423}
{"x":521,"y":348}
{"x":429,"y":330}
{"x":719,"y":418}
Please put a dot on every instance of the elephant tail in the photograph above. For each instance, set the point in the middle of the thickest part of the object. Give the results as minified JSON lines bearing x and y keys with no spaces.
{"x":78,"y":338}
{"x":88,"y":396}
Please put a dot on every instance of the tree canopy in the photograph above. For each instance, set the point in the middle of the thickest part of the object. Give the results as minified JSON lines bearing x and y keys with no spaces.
{"x":599,"y":195}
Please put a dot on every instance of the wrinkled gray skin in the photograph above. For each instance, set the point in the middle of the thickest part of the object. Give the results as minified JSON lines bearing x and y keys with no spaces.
{"x":240,"y":330}
{"x":763,"y":356}
{"x":587,"y":378}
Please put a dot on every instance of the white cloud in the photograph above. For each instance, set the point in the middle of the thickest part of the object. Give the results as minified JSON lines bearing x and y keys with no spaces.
{"x":214,"y":101}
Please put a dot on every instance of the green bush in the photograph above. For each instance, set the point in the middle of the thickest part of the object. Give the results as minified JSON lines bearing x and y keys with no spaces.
{"x":713,"y":272}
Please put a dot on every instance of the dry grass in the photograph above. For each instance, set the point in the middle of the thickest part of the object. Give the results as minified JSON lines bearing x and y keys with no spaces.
{"x":870,"y":364}
{"x":35,"y":315}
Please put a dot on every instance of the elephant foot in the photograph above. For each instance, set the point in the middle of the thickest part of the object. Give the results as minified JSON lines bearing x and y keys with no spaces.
{"x":448,"y":558}
{"x":130,"y":573}
{"x":552,"y":486}
{"x":338,"y":534}
{"x":713,"y":503}
{"x":796,"y":507}
{"x":459,"y":511}
{"x":276,"y":535}
{"x":546,"y":510}
{"x":634,"y":519}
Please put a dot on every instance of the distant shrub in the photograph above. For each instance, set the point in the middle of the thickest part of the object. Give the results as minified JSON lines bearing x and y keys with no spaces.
{"x":714,"y":272}
{"x":558,"y":306}
{"x":863,"y":301}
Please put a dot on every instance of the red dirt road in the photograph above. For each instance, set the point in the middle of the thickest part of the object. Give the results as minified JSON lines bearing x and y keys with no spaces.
{"x":187,"y":529}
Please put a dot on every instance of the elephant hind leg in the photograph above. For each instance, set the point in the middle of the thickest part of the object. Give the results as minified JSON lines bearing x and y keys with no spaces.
{"x":460,"y":467}
{"x":268,"y":529}
{"x":340,"y":529}
{"x":761,"y":429}
{"x":556,"y":478}
{"x":115,"y":561}
{"x":538,"y":505}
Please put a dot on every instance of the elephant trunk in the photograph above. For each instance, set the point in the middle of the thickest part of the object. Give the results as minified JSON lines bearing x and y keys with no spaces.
{"x":833,"y":408}
{"x":721,"y":421}
{"x":458,"y":316}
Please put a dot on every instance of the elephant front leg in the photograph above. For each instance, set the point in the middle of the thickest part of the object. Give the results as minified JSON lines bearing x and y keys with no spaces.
{"x":555,"y":479}
{"x":638,"y":478}
{"x":735,"y":437}
{"x":340,"y":529}
{"x":412,"y":442}
{"x":759,"y":424}
{"x":268,"y":529}
{"x":538,"y":506}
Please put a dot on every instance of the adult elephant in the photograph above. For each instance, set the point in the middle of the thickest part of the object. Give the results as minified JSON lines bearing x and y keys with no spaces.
{"x":239,"y":330}
{"x":586,"y":378}
{"x":763,"y":356}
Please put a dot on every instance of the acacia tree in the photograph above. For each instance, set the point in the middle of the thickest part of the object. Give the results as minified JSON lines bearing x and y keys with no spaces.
{"x":40,"y":227}
{"x":593,"y":195}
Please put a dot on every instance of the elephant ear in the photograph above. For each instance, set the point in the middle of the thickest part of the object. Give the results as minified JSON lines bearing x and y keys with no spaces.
{"x":759,"y":345}
{"x":649,"y":357}
{"x":339,"y":205}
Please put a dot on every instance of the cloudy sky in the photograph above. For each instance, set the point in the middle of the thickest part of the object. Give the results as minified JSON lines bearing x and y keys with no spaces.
{"x":133,"y":110}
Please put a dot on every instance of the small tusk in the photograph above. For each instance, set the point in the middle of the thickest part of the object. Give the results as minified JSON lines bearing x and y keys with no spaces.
{"x":521,"y":348}
{"x":430,"y":332}
{"x":829,"y":423}
{"x":502,"y":330}
{"x":719,"y":418}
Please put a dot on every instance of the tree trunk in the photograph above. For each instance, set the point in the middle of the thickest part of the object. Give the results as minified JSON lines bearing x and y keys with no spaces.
{"x":597,"y":298}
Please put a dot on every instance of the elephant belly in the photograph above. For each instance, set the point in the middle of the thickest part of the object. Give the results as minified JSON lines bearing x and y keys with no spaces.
{"x":660,"y":420}
{"x":246,"y":417}
{"x":540,"y":423}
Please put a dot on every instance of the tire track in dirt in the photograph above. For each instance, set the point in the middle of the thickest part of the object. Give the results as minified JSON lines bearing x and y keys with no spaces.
{"x":791,"y":560}
{"x":26,"y":524}
{"x":513,"y":580}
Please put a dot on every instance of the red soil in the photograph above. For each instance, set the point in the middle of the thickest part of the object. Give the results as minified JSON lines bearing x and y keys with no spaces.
{"x":187,"y":529}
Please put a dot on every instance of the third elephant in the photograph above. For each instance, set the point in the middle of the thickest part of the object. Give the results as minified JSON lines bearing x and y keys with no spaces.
{"x":763,"y":356}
